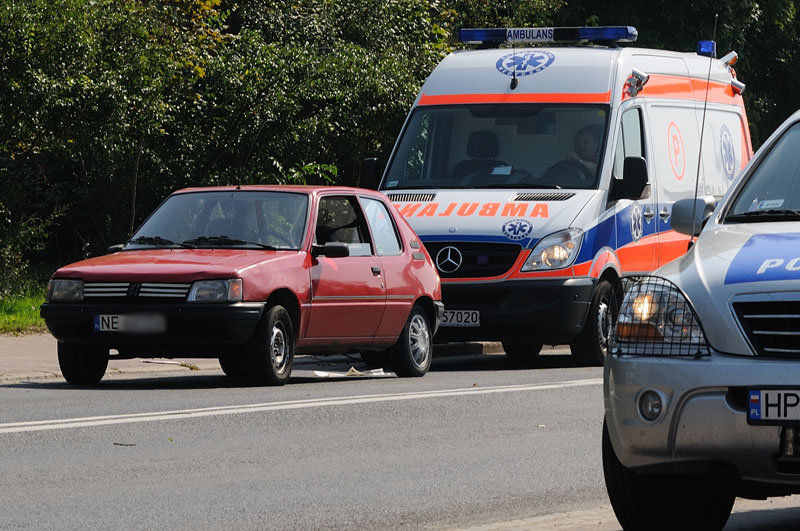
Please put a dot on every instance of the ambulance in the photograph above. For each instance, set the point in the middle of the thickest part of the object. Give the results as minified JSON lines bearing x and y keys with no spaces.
{"x":536,"y":176}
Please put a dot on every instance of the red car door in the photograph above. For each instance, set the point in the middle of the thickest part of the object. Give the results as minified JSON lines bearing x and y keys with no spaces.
{"x":348,"y":294}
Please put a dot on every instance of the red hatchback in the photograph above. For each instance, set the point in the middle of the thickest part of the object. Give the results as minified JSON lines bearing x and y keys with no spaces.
{"x":252,"y":275}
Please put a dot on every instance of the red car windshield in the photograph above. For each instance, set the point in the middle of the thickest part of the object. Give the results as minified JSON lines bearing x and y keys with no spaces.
{"x":236,"y":218}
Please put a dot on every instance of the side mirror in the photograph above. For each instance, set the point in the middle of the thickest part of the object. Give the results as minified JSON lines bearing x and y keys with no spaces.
{"x":370,"y":173}
{"x":331,"y":250}
{"x":115,"y":248}
{"x":687,"y":211}
{"x":634,"y":179}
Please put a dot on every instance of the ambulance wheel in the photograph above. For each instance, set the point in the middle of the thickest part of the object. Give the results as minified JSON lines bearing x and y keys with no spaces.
{"x":665,"y":502}
{"x":82,"y":364}
{"x":522,"y":350}
{"x":591,"y":346}
{"x":270,"y":351}
{"x":413,"y":352}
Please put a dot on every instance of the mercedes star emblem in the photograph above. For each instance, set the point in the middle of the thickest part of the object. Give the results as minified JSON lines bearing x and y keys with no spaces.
{"x":449,"y":259}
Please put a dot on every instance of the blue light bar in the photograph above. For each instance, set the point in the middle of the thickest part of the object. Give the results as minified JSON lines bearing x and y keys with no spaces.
{"x":574,"y":34}
{"x":707,"y":48}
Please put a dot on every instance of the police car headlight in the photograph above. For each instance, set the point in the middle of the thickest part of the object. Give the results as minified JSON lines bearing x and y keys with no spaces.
{"x":657,"y":319}
{"x":216,"y":291}
{"x":555,"y":251}
{"x":60,"y":289}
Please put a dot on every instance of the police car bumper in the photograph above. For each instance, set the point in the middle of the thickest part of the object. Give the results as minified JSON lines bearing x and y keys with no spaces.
{"x":703,"y":419}
{"x":547,"y":310}
{"x":154,"y":328}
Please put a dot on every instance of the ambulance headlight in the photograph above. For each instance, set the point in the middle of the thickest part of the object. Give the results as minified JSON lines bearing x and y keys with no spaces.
{"x":61,"y":289}
{"x":656,"y":319}
{"x":555,"y":251}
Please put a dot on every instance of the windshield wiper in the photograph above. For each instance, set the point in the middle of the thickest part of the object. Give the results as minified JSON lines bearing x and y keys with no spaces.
{"x":225,"y":240}
{"x":764,"y":215}
{"x":520,"y":185}
{"x":158,"y":241}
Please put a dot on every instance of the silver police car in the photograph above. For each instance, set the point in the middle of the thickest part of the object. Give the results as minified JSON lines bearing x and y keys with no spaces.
{"x":702,"y":383}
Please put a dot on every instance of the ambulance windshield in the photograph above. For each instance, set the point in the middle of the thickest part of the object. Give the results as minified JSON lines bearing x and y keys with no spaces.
{"x":511,"y":145}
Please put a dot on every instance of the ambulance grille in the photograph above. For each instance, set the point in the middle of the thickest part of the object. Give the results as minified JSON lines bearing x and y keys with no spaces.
{"x":415,"y":198}
{"x":773,"y":327}
{"x":131,"y":290}
{"x":476,"y":259}
{"x":542,"y":196}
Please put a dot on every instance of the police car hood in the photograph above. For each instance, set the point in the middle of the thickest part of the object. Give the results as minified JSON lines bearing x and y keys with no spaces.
{"x":732,"y":263}
{"x":500,"y":216}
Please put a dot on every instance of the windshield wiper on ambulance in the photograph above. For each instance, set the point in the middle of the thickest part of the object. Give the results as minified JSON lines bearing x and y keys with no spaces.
{"x":764,"y":215}
{"x":212,"y":241}
{"x":157,"y":241}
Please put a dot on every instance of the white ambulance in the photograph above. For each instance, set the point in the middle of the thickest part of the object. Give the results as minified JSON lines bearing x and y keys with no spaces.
{"x":537,"y":176}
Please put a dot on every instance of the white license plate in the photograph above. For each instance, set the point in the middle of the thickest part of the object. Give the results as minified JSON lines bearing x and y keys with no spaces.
{"x":132,"y":324}
{"x":461,"y":318}
{"x":773,"y":406}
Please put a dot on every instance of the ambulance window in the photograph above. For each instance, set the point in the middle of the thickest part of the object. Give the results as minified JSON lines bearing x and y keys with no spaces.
{"x":340,"y":220}
{"x":629,"y":141}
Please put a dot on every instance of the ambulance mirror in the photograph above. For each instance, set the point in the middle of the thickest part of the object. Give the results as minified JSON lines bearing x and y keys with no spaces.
{"x":692,"y":212}
{"x":370,"y":173}
{"x":634,"y":179}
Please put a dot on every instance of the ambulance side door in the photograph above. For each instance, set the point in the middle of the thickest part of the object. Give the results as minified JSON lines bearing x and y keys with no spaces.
{"x":637,"y":238}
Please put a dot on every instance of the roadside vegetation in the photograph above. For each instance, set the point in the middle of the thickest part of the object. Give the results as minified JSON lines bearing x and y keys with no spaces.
{"x":20,"y":314}
{"x":109,"y":105}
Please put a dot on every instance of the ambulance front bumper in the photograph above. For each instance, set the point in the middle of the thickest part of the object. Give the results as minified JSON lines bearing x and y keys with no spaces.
{"x":548,"y":310}
{"x":703,"y":419}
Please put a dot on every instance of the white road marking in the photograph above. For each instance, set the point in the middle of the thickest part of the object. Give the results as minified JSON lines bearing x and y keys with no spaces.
{"x":84,"y":422}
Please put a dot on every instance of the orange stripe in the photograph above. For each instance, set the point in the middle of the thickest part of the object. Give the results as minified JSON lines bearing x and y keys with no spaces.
{"x":521,"y":97}
{"x":687,"y":88}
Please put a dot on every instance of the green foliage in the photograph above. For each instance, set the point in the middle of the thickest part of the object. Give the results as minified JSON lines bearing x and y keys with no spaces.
{"x":21,"y":313}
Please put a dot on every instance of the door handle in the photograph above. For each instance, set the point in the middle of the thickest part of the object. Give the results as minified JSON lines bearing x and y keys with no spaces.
{"x":664,"y":214}
{"x":376,"y":270}
{"x":648,"y":213}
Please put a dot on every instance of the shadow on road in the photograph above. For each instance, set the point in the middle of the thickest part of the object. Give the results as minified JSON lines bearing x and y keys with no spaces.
{"x":783,"y":519}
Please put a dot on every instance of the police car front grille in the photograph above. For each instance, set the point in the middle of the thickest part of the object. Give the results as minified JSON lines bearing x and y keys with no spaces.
{"x":477,"y":259}
{"x":542,"y":196}
{"x":773,"y":327}
{"x":129,"y":290}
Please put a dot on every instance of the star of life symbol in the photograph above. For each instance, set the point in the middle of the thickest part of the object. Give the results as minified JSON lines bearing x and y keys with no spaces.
{"x":525,"y":64}
{"x":637,"y":226}
{"x":449,"y":259}
{"x":727,"y":152}
{"x":516,"y":229}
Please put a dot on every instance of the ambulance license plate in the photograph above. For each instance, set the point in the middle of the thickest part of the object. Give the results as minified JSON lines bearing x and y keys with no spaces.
{"x":773,"y":406}
{"x":461,"y":318}
{"x":147,"y":323}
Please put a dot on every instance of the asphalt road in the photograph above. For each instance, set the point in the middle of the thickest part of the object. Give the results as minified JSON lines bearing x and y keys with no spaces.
{"x":477,"y":442}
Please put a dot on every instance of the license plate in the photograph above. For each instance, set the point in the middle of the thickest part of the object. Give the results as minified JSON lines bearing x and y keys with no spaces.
{"x":132,"y":323}
{"x":773,"y":406}
{"x":461,"y":318}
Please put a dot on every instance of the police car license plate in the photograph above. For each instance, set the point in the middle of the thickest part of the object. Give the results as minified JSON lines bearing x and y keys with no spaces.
{"x":461,"y":318}
{"x":132,"y":324}
{"x":773,"y":406}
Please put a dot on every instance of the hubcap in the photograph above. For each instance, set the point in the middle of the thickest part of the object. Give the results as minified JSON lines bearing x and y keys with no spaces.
{"x":603,"y":324}
{"x":419,"y":341}
{"x":278,"y":348}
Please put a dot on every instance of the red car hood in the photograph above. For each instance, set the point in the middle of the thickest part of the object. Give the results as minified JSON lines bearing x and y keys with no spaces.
{"x":170,"y":265}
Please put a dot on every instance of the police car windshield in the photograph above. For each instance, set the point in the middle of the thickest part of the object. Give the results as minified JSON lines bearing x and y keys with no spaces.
{"x":772,"y":193}
{"x":237,"y":219}
{"x":513,"y":145}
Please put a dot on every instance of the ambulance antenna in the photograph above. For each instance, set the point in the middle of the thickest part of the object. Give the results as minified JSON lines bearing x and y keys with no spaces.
{"x":514,"y":80}
{"x":703,"y":126}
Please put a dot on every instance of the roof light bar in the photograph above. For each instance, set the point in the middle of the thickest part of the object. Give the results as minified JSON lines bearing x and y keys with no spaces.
{"x":573,"y":34}
{"x":707,"y":48}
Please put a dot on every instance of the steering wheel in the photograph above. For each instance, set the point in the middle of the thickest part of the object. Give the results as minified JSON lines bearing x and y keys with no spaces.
{"x":568,"y":172}
{"x":265,"y":234}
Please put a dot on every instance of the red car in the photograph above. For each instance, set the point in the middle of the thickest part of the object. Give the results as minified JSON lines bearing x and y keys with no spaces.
{"x":252,"y":275}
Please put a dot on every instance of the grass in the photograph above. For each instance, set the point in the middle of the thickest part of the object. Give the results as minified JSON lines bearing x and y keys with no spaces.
{"x":20,"y":315}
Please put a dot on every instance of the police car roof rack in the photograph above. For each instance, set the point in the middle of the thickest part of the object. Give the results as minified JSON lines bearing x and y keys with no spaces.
{"x":494,"y":36}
